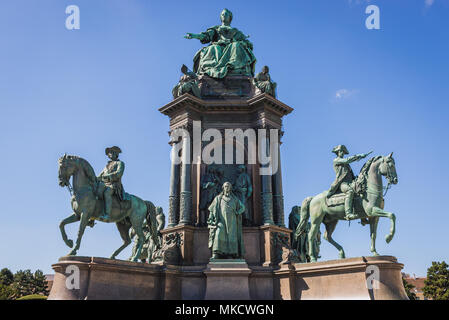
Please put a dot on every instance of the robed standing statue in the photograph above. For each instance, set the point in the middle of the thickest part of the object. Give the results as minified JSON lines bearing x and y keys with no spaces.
{"x":225,"y":225}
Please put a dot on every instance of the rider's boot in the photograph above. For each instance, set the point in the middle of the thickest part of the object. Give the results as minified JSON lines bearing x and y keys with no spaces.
{"x":348,"y":206}
{"x":107,"y":208}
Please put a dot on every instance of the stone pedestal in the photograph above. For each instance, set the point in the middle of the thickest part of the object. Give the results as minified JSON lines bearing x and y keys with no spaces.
{"x":346,"y":279}
{"x":91,"y":278}
{"x":227,"y":280}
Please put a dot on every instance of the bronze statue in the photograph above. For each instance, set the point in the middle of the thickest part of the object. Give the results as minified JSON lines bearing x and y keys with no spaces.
{"x":368,"y":204}
{"x":111,"y":176}
{"x":229,"y":52}
{"x":263,"y":82}
{"x":187,"y":84}
{"x":344,"y":178}
{"x":150,"y":246}
{"x":210,"y":184}
{"x":88,"y":206}
{"x":300,"y":243}
{"x":244,"y":190}
{"x":225,"y":225}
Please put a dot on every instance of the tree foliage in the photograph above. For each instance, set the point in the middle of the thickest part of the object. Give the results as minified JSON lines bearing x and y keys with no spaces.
{"x":409,"y":290}
{"x":437,"y":283}
{"x":22,"y":283}
{"x":39,"y":283}
{"x":6,"y":277}
{"x":6,"y":292}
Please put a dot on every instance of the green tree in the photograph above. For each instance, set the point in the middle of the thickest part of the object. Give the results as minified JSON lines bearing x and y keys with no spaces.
{"x":23,"y":283}
{"x":6,"y":277}
{"x":437,"y":283}
{"x":7,"y":292}
{"x":409,"y":290}
{"x":39,"y":283}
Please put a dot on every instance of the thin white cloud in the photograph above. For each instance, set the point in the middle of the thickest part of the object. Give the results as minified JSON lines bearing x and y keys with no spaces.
{"x":429,"y":3}
{"x":344,"y":93}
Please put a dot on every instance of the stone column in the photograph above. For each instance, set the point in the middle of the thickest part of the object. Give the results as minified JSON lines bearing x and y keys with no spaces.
{"x":173,"y":199}
{"x":278,"y":195}
{"x":185,"y":204}
{"x":267,"y":193}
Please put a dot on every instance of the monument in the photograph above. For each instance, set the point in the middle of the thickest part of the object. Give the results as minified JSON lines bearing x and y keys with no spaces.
{"x":226,"y":236}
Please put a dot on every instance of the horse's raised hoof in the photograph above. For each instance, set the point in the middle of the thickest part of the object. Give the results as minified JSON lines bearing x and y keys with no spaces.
{"x":388,"y":238}
{"x":69,"y":243}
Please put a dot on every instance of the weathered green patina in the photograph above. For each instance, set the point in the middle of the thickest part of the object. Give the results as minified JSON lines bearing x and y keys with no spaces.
{"x":229,"y":53}
{"x":150,"y":246}
{"x":225,"y":225}
{"x":87,"y":205}
{"x":244,"y":190}
{"x":344,"y":177}
{"x":111,"y":176}
{"x":187,"y":84}
{"x":300,"y":243}
{"x":368,"y":205}
{"x":263,"y":82}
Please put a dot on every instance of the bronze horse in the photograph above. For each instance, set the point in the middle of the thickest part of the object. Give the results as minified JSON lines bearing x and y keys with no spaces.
{"x":368,"y":206}
{"x":87,"y":207}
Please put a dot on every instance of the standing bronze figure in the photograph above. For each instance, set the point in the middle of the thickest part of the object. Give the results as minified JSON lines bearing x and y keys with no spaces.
{"x":225,"y":225}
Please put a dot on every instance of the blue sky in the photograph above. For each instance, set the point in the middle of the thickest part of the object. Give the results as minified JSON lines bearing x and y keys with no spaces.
{"x":80,"y":91}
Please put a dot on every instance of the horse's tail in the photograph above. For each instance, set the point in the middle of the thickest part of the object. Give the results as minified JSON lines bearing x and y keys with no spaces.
{"x":151,"y":221}
{"x":305,"y":215}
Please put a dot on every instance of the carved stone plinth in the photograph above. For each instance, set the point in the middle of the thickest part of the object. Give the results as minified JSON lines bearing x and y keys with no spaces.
{"x":92,"y":278}
{"x":227,"y":279}
{"x":363,"y":278}
{"x":101,"y":278}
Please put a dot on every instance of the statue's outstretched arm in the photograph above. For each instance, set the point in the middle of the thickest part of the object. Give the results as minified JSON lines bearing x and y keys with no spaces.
{"x":198,"y":36}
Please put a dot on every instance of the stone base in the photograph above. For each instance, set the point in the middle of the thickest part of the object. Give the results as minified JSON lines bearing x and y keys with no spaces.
{"x":348,"y":279}
{"x":105,"y":279}
{"x":221,"y":279}
{"x":227,"y":279}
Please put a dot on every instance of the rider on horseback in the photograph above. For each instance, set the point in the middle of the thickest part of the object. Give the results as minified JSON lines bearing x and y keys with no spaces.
{"x":344,"y":178}
{"x":111,"y":176}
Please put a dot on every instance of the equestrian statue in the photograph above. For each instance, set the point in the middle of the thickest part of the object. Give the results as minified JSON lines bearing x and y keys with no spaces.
{"x":349,"y":198}
{"x":102,"y":198}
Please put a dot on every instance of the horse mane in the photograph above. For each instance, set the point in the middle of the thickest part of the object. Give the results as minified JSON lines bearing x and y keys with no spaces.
{"x":368,"y":164}
{"x":87,"y":168}
{"x":360,"y":183}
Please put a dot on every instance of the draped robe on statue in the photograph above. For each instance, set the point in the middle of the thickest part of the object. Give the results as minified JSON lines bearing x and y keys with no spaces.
{"x":226,"y":216}
{"x":229,"y":53}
